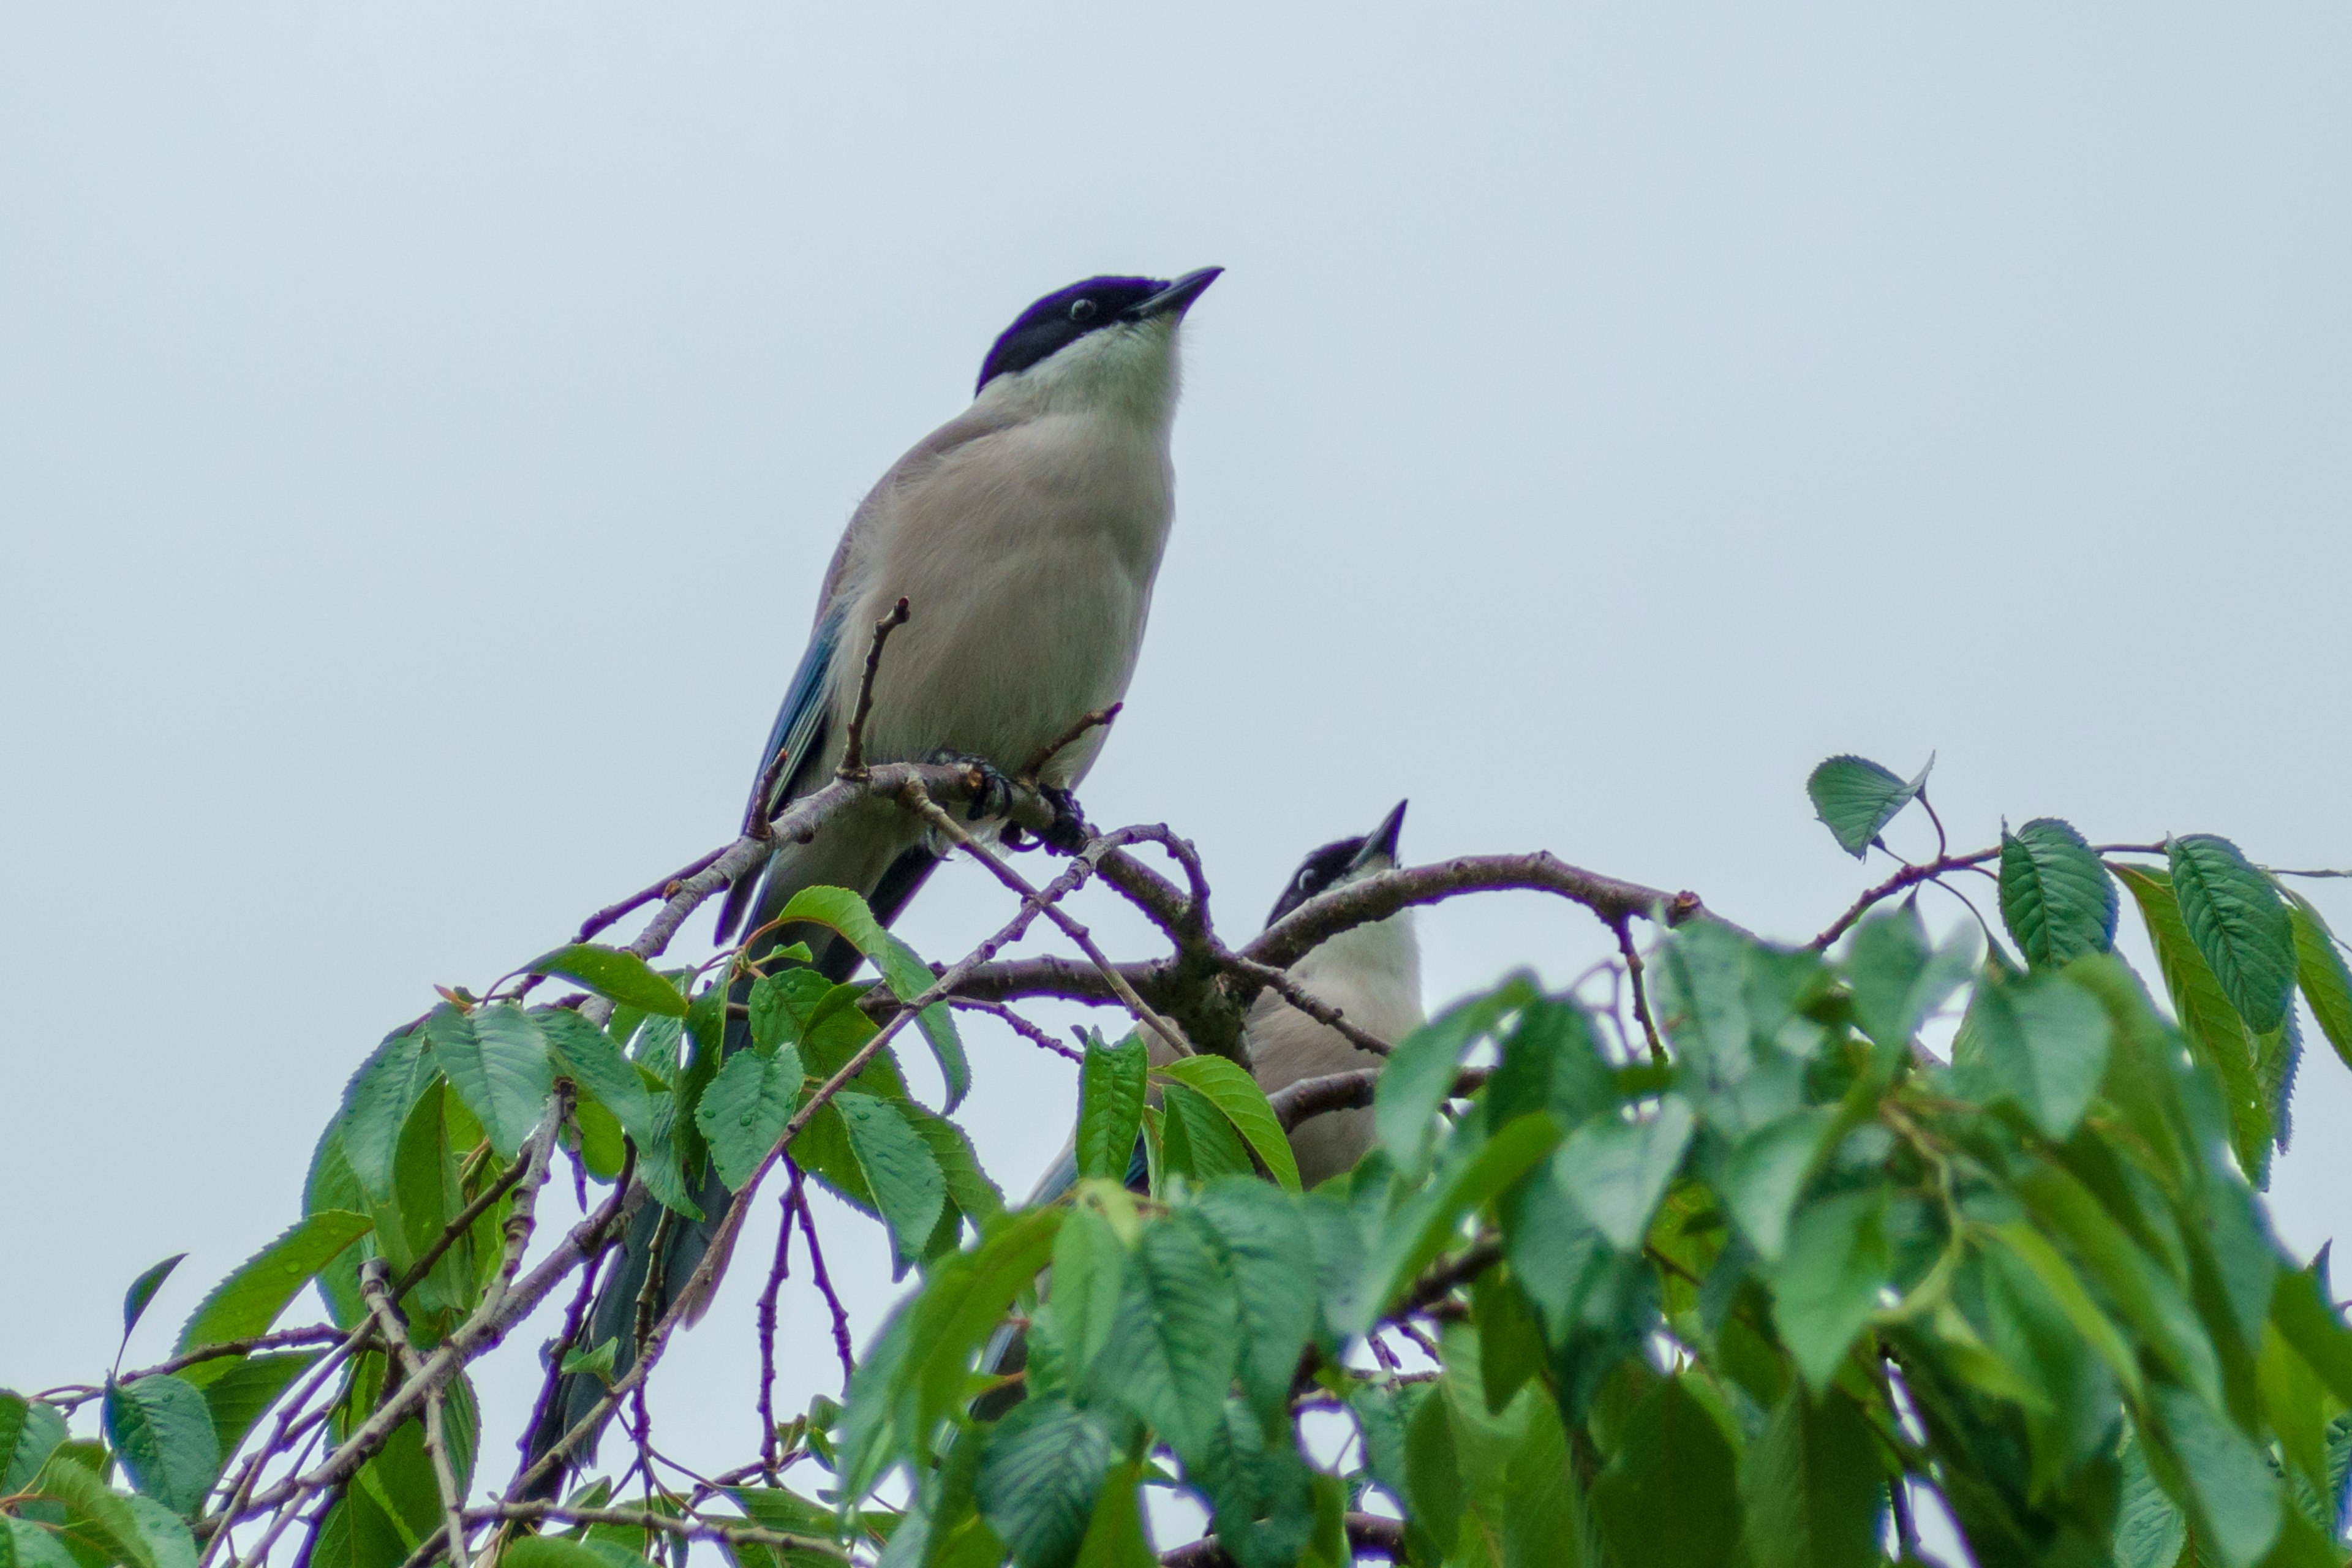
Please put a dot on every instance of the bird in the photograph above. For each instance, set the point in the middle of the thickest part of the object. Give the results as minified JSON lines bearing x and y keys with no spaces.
{"x":1023,"y":537}
{"x":1371,"y":973}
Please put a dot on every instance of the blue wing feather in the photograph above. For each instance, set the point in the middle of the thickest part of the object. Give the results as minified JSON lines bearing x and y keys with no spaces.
{"x":799,"y":730}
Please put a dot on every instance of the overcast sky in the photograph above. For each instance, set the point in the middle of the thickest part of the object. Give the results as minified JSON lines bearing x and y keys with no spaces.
{"x":422,"y":431}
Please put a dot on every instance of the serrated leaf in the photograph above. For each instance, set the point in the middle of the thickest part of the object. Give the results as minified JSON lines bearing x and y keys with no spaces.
{"x":1897,"y":979}
{"x":1827,"y":1285}
{"x":1171,"y":1349}
{"x":1089,"y":1267}
{"x":134,"y":1530}
{"x":907,"y":974}
{"x":24,"y":1545}
{"x":242,"y":1395}
{"x":1236,"y":1095}
{"x":1813,"y":1487}
{"x":1766,"y":1172}
{"x":1418,"y":1077}
{"x":905,"y":1178}
{"x":246,"y":1302}
{"x":1617,"y":1170}
{"x":615,"y":973}
{"x":1039,"y":1476}
{"x":1668,"y":1497}
{"x":2320,"y":968}
{"x":161,"y":1430}
{"x":1198,"y":1140}
{"x":1856,"y":798}
{"x":1262,"y":1237}
{"x":746,"y":1108}
{"x":1112,"y":1083}
{"x":589,"y":1058}
{"x":2217,"y":1032}
{"x":142,"y":1290}
{"x":1471,"y":1175}
{"x":377,"y":1103}
{"x":2239,"y":923}
{"x":497,"y":1060}
{"x":2235,"y":1492}
{"x":2055,"y":896}
{"x":556,"y":1551}
{"x":2039,"y":1040}
{"x":30,"y":1431}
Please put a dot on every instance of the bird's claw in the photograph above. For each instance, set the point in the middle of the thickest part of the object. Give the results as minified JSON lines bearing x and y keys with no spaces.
{"x":992,"y":795}
{"x":1068,"y":832}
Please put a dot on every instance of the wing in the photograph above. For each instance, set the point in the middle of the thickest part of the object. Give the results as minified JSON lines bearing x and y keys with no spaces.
{"x":799,"y":733}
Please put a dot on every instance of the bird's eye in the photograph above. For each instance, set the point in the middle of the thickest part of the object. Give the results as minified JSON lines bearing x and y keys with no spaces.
{"x":1305,"y":881}
{"x":1082,"y":310}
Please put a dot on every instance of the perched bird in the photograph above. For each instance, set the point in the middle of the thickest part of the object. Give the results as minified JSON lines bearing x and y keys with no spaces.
{"x":1024,"y":535}
{"x":1371,"y":973}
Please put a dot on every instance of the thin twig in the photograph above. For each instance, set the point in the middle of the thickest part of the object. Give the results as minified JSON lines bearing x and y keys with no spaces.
{"x":417,"y":1271}
{"x":1632,"y":955}
{"x":1351,"y":1090}
{"x":798,"y":1198}
{"x":1101,"y":716}
{"x":918,"y":801}
{"x":1280,"y":982}
{"x":853,"y":751}
{"x":1019,"y":1024}
{"x":698,"y":1528}
{"x":768,"y":1448}
{"x":662,"y":890}
{"x":1368,"y":1534}
{"x":374,"y":1292}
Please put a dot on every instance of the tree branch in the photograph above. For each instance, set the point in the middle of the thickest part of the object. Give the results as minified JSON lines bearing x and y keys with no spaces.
{"x":853,"y":751}
{"x":1368,"y":1533}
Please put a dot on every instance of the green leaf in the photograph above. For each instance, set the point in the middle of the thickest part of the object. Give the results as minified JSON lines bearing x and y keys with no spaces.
{"x":2233,"y":1486}
{"x":1115,"y":1536}
{"x":589,"y":1058}
{"x":899,"y":1169}
{"x":1668,"y":1497}
{"x":1856,"y":798}
{"x":1039,"y":1478}
{"x":1617,"y":1170}
{"x":24,"y":1545}
{"x":1767,"y":1173}
{"x":2149,"y":1530}
{"x":2240,"y":924}
{"x":2055,"y":895}
{"x":1432,"y":1468}
{"x":1089,"y":1266}
{"x":1232,"y":1090}
{"x":2218,"y":1034}
{"x":497,"y":1060}
{"x":1200,"y":1141}
{"x":746,"y":1108}
{"x":1262,"y":1237}
{"x":2066,"y":1287}
{"x":1171,"y":1349}
{"x":556,"y":1551}
{"x":1827,"y":1285}
{"x":2319,"y":966}
{"x":245,"y":1303}
{"x":142,"y":1290}
{"x":1111,"y":1088}
{"x":2039,"y":1040}
{"x":969,"y":1187}
{"x":1473,"y":1172}
{"x":30,"y":1431}
{"x":615,"y":973}
{"x":162,"y":1431}
{"x":907,"y":975}
{"x":377,"y":1104}
{"x":134,"y":1530}
{"x":1897,"y":979}
{"x":1813,"y":1487}
{"x":1419,"y":1075}
{"x":2309,"y":1322}
{"x":241,"y":1395}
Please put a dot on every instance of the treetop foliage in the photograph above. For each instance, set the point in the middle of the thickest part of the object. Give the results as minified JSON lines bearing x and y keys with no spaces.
{"x":1734,"y":1263}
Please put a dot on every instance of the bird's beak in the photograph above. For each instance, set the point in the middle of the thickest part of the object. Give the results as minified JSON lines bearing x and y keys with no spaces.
{"x":1177,"y":298}
{"x":1382,"y":844}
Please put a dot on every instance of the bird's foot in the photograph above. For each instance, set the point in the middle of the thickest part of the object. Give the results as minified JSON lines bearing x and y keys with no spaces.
{"x":1069,"y":831}
{"x":993,"y":795}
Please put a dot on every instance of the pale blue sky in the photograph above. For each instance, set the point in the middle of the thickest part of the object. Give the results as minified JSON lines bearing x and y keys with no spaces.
{"x":421,"y":432}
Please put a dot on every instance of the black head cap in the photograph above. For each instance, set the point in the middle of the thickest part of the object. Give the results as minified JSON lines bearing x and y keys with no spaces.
{"x":1323,"y":869}
{"x":1066,"y":315}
